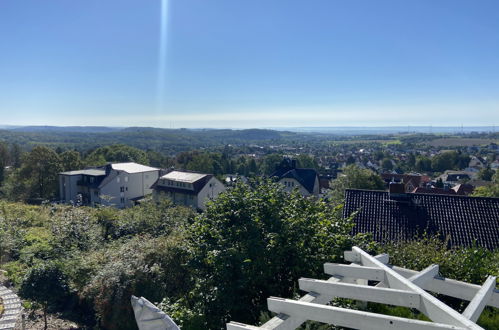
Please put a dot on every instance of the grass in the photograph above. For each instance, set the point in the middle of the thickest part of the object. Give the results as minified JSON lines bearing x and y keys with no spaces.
{"x":460,"y":142}
{"x":353,"y":141}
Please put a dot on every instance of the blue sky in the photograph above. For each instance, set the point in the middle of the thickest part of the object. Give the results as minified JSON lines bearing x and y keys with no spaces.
{"x":249,"y":63}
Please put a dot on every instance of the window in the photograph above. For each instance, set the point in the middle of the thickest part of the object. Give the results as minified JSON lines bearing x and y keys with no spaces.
{"x":118,"y":179}
{"x":126,"y":179}
{"x":122,"y":189}
{"x":126,"y":188}
{"x":96,"y":193}
{"x":122,"y":200}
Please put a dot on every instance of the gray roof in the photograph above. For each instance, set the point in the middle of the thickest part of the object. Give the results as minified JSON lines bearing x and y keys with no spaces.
{"x":90,"y":171}
{"x":184,"y":176}
{"x":133,"y":168}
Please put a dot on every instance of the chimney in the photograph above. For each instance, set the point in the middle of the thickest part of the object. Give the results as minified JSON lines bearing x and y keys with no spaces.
{"x":396,"y":191}
{"x":108,"y":168}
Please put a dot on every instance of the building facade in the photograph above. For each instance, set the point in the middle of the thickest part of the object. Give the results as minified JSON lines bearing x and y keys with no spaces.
{"x":120,"y":185}
{"x":188,"y":188}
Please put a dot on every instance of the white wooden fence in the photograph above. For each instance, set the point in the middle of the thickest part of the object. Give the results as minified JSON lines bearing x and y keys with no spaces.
{"x":395,"y":286}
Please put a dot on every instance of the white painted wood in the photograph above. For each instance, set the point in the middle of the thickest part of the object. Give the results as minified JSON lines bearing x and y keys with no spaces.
{"x":285,"y":322}
{"x":478,"y":303}
{"x":405,"y":288}
{"x":450,"y":287}
{"x":349,"y":318}
{"x":425,"y":275}
{"x":355,"y":271}
{"x":433,"y":308}
{"x":364,"y":293}
{"x":352,"y":256}
{"x":240,"y":326}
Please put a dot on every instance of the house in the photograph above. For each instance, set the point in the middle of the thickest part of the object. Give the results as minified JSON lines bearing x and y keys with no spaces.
{"x":119,"y":184}
{"x":396,"y":215}
{"x":306,"y":180}
{"x":476,"y":162}
{"x":233,"y":179}
{"x":410,"y":181}
{"x":454,"y":177}
{"x":188,"y":188}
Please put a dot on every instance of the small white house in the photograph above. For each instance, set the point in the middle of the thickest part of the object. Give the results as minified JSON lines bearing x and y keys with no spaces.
{"x":188,"y":188}
{"x":119,"y":185}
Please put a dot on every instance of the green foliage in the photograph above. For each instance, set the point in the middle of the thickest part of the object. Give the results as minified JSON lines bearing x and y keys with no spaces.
{"x":38,"y":174}
{"x":71,"y":160}
{"x":486,"y":174}
{"x":423,"y":164}
{"x":118,"y":153}
{"x":143,"y":266}
{"x":306,"y":161}
{"x":492,"y":190}
{"x":37,"y":245}
{"x":45,"y":284}
{"x":387,"y":164}
{"x":74,"y":229}
{"x":354,"y":177}
{"x":4,"y":160}
{"x":472,"y":264}
{"x":254,"y":242}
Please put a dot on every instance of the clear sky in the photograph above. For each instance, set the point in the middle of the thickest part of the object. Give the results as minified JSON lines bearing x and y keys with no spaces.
{"x":249,"y":63}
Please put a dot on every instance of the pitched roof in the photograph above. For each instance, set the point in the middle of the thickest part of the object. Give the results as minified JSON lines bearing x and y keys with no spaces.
{"x":461,"y":218}
{"x":435,"y":191}
{"x":305,"y":176}
{"x":181,"y":176}
{"x":198,"y":181}
{"x":132,"y":167}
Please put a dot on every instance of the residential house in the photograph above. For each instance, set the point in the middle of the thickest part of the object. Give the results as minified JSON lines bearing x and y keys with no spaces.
{"x":397,"y":215}
{"x":188,"y":188}
{"x":410,"y":181}
{"x":119,"y":184}
{"x":306,"y":180}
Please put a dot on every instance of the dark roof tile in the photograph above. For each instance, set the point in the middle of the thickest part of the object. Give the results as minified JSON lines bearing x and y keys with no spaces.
{"x":463,"y":219}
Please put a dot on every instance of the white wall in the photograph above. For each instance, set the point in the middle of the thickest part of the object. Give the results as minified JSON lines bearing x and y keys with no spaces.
{"x":210,"y":191}
{"x":134,"y":185}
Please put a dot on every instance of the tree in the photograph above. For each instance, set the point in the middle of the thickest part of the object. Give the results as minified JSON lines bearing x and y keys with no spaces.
{"x":306,"y":161}
{"x":45,"y":284}
{"x":411,"y":160}
{"x":387,"y":164}
{"x":116,"y":153}
{"x":492,"y":190}
{"x":423,"y":164}
{"x":444,"y":161}
{"x":256,"y":241}
{"x":269,"y":163}
{"x":486,"y":173}
{"x":39,"y":173}
{"x":356,"y":178}
{"x":4,"y":160}
{"x":71,"y":160}
{"x":16,"y":154}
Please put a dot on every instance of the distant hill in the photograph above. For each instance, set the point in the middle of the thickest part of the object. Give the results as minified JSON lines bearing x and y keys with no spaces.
{"x":80,"y":129}
{"x":159,"y":139}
